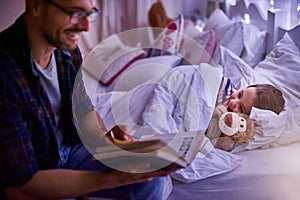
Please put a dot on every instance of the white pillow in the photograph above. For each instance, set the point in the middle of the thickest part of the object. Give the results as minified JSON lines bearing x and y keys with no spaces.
{"x":240,"y":73}
{"x":217,"y":20}
{"x":292,"y":131}
{"x":282,"y":68}
{"x":272,"y":129}
{"x":227,"y":33}
{"x":245,"y":40}
{"x":269,"y":127}
{"x":198,"y":48}
{"x":255,"y":43}
{"x":275,"y":130}
{"x":230,"y":37}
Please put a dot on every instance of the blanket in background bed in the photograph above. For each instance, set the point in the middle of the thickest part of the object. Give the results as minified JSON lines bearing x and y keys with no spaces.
{"x":182,"y":100}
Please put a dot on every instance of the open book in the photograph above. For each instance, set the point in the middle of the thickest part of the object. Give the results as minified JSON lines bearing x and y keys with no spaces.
{"x":162,"y":151}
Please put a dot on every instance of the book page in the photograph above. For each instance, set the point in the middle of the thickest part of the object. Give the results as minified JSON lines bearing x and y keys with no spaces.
{"x":163,"y":151}
{"x":187,"y":144}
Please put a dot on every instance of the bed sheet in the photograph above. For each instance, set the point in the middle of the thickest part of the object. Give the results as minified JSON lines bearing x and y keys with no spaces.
{"x":263,"y":174}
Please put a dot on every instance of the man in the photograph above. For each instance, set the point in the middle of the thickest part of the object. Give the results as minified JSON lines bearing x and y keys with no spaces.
{"x":41,"y":155}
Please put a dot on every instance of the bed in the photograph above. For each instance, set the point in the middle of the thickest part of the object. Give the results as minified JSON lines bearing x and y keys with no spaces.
{"x":267,"y":168}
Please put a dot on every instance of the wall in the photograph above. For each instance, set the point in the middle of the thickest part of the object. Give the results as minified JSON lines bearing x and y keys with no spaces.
{"x":122,"y":15}
{"x":9,"y":11}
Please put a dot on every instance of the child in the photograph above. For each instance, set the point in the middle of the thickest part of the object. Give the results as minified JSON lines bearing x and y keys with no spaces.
{"x":262,"y":96}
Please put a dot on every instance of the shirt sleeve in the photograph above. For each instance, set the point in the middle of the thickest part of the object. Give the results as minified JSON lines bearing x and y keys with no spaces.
{"x":81,"y":102}
{"x":225,"y":90}
{"x":17,"y":159}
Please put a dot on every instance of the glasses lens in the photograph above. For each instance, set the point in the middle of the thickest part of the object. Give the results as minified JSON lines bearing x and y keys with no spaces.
{"x":94,"y":16}
{"x":78,"y":17}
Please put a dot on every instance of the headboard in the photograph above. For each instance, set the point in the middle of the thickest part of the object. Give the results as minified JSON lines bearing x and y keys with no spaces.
{"x":276,"y":23}
{"x":241,"y":11}
{"x":271,"y":20}
{"x":276,"y":19}
{"x":252,"y":13}
{"x":237,"y":11}
{"x":294,"y":33}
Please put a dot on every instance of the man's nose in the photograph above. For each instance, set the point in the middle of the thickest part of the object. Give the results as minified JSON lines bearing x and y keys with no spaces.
{"x":84,"y":25}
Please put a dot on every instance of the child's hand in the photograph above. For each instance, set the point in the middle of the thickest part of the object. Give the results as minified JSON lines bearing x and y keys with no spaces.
{"x":120,"y":134}
{"x":219,"y":110}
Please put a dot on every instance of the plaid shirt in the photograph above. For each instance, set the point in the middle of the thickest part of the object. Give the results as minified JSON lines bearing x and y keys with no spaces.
{"x":27,"y":124}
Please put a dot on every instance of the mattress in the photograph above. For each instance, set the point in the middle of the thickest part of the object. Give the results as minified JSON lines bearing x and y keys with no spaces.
{"x":272,"y":173}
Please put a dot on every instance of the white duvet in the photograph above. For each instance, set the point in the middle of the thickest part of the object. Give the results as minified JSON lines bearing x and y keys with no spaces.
{"x":182,"y":100}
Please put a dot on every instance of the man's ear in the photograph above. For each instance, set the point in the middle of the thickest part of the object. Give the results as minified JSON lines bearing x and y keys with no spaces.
{"x":33,"y":7}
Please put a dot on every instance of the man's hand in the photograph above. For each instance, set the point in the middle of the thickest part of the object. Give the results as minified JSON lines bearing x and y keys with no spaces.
{"x":139,"y":172}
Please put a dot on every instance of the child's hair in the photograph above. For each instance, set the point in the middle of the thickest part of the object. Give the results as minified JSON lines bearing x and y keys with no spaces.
{"x":268,"y":97}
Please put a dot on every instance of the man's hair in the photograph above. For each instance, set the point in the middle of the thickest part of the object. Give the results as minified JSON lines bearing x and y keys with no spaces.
{"x":268,"y":97}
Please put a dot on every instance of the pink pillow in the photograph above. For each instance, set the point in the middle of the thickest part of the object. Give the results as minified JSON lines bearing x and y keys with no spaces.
{"x":198,"y":48}
{"x":247,"y":41}
{"x":168,"y":41}
{"x":184,"y":39}
{"x":209,"y":48}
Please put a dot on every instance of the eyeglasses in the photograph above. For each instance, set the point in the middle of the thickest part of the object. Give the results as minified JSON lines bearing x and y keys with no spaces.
{"x":77,"y":16}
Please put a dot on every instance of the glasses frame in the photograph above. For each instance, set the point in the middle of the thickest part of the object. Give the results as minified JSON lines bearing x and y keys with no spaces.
{"x":76,"y":17}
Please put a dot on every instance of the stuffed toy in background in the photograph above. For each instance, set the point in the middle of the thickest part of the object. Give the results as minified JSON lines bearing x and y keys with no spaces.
{"x":226,"y":129}
{"x":157,"y":16}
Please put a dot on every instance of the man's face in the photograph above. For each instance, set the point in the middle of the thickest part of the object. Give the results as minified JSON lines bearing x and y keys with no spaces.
{"x":57,"y":26}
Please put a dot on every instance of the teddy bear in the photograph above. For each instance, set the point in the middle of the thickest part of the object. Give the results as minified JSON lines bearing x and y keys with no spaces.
{"x":227,"y":129}
{"x":158,"y":16}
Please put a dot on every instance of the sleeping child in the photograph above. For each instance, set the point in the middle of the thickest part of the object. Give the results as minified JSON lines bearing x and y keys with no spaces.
{"x":230,"y":123}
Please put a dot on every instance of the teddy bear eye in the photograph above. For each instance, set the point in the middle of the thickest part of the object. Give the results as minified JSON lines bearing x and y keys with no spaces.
{"x":242,"y":126}
{"x":242,"y":120}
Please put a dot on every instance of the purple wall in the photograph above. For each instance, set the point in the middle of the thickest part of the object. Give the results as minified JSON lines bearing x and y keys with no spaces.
{"x":9,"y":11}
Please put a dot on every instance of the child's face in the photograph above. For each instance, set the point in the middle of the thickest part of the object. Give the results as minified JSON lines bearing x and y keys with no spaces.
{"x":241,"y":101}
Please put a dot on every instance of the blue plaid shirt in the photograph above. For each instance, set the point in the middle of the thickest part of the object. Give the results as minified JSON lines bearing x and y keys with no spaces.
{"x":27,"y":124}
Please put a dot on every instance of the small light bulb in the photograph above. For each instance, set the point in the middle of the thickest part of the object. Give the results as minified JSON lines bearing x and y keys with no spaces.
{"x":272,"y":4}
{"x":247,"y":18}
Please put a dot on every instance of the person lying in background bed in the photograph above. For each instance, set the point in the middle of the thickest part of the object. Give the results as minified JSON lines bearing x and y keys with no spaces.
{"x":262,"y":96}
{"x":230,"y":124}
{"x":184,"y":100}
